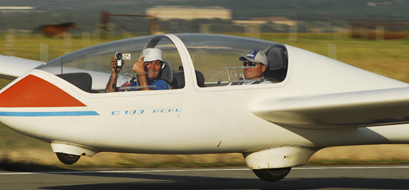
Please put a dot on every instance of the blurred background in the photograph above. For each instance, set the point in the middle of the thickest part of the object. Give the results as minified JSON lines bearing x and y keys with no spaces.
{"x":369,"y":34}
{"x":210,"y":16}
{"x":51,"y":28}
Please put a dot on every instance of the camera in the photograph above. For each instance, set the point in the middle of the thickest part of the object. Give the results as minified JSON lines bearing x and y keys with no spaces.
{"x":119,"y":60}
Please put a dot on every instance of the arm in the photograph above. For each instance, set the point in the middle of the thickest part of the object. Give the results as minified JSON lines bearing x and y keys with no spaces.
{"x":111,"y":85}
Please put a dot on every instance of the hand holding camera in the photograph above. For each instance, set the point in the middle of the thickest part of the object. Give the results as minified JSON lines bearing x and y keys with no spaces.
{"x":119,"y":61}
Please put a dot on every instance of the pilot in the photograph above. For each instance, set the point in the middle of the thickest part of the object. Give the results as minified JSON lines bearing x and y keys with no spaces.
{"x":254,"y":75}
{"x":148,"y":70}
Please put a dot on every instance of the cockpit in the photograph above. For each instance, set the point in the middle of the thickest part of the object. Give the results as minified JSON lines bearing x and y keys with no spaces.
{"x":212,"y":61}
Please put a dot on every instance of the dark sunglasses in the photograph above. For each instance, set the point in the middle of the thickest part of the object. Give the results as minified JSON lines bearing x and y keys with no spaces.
{"x":249,"y":63}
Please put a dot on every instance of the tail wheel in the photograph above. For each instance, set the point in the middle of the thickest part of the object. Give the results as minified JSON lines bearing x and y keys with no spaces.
{"x":68,"y":158}
{"x":272,"y":174}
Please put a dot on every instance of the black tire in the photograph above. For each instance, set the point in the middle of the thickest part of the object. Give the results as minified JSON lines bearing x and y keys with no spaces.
{"x":68,"y":158}
{"x":272,"y":174}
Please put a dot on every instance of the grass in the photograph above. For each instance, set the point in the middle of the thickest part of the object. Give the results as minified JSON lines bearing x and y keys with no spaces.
{"x":388,"y":58}
{"x":4,"y":82}
{"x":7,"y":164}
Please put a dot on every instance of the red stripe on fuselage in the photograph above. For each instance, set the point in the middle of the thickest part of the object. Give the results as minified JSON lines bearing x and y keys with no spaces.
{"x":32,"y":91}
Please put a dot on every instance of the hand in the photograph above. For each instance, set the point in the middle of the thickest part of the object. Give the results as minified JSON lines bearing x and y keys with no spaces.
{"x":112,"y":66}
{"x":139,"y":66}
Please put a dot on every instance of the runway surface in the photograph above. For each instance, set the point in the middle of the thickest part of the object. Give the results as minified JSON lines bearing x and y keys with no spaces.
{"x":328,"y":178}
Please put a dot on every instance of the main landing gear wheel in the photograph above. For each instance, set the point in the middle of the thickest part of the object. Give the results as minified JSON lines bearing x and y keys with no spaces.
{"x":272,"y":174}
{"x":68,"y":158}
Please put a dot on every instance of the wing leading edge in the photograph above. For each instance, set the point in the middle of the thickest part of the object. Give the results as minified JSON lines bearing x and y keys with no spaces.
{"x":344,"y":110}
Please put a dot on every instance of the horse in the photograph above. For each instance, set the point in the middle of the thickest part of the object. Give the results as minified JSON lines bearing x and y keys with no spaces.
{"x":55,"y":30}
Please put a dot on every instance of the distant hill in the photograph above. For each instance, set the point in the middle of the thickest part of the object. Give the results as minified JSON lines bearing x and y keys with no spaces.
{"x":241,"y":8}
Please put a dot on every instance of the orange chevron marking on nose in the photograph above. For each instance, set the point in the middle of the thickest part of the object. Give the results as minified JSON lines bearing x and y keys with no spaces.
{"x":33,"y":91}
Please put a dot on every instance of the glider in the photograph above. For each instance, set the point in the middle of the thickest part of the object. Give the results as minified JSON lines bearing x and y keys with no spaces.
{"x":312,"y":102}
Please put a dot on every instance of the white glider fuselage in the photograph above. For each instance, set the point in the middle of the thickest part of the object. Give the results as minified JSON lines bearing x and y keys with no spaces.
{"x":193,"y":119}
{"x":198,"y":120}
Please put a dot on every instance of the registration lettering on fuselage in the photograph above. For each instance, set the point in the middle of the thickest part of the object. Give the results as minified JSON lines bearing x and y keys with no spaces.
{"x":143,"y":111}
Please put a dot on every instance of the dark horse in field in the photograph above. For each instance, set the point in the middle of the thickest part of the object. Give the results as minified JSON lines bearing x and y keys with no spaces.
{"x":57,"y":30}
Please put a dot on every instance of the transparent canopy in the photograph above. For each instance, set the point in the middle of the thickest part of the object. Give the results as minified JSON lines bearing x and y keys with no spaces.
{"x":215,"y":59}
{"x":217,"y":56}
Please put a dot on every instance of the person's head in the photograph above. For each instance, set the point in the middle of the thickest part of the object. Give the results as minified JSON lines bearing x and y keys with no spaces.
{"x":254,"y":58}
{"x":153,"y":62}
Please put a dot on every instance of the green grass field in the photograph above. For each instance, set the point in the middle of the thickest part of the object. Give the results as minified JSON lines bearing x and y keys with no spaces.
{"x":388,"y":58}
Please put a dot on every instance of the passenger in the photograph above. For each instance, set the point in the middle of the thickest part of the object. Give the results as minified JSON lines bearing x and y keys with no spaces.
{"x":254,"y":75}
{"x":148,"y":71}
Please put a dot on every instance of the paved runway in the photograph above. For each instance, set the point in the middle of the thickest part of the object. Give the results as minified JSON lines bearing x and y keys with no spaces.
{"x":362,"y":177}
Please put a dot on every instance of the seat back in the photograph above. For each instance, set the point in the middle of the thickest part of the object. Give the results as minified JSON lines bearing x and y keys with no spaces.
{"x":179,"y":79}
{"x":80,"y":80}
{"x":277,"y":63}
{"x":167,"y":72}
{"x":200,"y":78}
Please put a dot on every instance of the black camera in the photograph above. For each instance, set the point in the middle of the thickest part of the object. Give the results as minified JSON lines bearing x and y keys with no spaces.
{"x":119,"y":60}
